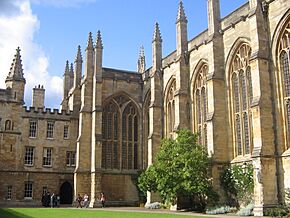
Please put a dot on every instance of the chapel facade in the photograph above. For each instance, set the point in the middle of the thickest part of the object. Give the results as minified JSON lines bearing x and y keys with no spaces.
{"x":230,"y":83}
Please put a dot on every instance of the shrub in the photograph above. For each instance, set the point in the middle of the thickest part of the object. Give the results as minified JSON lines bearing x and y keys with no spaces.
{"x":155,"y":205}
{"x":247,"y":211}
{"x":221,"y":210}
{"x":238,"y":184}
{"x":278,"y":211}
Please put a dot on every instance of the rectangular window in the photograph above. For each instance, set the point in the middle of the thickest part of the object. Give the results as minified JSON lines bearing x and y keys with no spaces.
{"x":0,"y":123}
{"x":46,"y":161}
{"x":29,"y":156}
{"x":65,"y":132}
{"x":28,"y":190}
{"x":32,"y":128}
{"x":50,"y":127}
{"x":9,"y":192}
{"x":71,"y":158}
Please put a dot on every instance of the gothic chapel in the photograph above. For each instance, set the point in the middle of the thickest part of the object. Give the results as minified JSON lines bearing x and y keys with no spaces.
{"x":230,"y":83}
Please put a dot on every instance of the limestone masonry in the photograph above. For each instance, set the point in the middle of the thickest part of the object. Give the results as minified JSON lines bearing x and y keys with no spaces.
{"x":231,"y":84}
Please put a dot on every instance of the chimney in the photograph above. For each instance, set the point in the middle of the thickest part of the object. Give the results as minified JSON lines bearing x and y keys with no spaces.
{"x":38,"y":97}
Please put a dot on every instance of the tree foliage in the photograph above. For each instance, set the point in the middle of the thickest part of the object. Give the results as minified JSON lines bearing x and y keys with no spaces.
{"x":238,"y":184}
{"x":180,"y":169}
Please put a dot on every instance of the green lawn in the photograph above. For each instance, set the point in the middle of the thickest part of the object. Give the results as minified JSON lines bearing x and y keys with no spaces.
{"x":78,"y":213}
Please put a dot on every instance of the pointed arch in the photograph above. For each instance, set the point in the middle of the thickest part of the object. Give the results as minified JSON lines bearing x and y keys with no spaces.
{"x":240,"y":96}
{"x":281,"y":54}
{"x":120,"y":133}
{"x":169,"y":106}
{"x":199,"y":101}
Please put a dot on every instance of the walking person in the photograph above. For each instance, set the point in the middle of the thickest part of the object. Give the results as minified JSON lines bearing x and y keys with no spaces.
{"x":103,"y":199}
{"x":86,"y":201}
{"x":79,"y":200}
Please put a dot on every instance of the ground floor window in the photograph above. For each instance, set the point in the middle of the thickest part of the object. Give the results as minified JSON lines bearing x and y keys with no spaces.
{"x":28,"y":190}
{"x":9,"y":192}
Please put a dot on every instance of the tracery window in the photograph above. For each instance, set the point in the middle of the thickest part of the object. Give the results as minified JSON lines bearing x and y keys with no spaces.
{"x":120,"y":135}
{"x":170,"y":109}
{"x":241,"y":92}
{"x":200,"y":104}
{"x":284,"y":57}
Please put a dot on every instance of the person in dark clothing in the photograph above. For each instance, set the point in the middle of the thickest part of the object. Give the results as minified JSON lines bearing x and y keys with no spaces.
{"x":79,"y":200}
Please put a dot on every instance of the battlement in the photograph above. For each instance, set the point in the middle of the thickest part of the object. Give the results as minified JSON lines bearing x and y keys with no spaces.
{"x":46,"y":111}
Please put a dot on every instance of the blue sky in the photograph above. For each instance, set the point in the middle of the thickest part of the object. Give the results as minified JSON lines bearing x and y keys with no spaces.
{"x":49,"y":31}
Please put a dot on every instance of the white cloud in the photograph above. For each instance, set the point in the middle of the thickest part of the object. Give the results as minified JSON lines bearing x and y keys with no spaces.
{"x":18,"y":29}
{"x":62,"y":3}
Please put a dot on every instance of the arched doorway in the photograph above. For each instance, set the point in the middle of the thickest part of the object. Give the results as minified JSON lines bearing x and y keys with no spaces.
{"x":66,"y":193}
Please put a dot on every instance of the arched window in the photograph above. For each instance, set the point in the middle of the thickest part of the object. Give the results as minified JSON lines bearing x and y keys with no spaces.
{"x":200,"y":104}
{"x":110,"y":145}
{"x":8,"y":125}
{"x":284,"y":57}
{"x":170,"y":109}
{"x":241,"y":92}
{"x":120,"y":134}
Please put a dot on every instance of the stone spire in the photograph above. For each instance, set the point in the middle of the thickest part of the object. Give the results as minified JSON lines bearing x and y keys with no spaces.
{"x":157,"y":34}
{"x":141,"y":66}
{"x":79,"y":57}
{"x":181,"y":31}
{"x":78,"y":68}
{"x":66,"y":71}
{"x":71,"y":75}
{"x":181,"y":14}
{"x":156,"y":49}
{"x":90,"y":45}
{"x":99,"y":43}
{"x":16,"y":70}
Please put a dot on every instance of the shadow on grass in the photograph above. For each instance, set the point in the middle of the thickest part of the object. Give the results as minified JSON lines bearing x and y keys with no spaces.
{"x":8,"y":213}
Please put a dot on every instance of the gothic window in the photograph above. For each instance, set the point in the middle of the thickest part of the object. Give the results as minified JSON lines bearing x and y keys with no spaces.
{"x":129,"y":138}
{"x":120,"y":135}
{"x":241,"y":92}
{"x":170,"y":109}
{"x":110,"y":149}
{"x":284,"y":57}
{"x":200,"y":104}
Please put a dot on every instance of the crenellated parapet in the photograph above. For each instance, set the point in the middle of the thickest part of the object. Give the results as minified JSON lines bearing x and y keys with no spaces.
{"x":46,"y":113}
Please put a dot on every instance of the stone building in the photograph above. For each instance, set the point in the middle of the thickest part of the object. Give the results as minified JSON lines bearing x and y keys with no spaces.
{"x":230,"y":83}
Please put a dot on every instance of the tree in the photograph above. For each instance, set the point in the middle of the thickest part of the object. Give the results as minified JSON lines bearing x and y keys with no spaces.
{"x":180,"y":169}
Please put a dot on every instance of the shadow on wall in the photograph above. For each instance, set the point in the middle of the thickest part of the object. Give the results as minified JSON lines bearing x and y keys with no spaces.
{"x":8,"y":213}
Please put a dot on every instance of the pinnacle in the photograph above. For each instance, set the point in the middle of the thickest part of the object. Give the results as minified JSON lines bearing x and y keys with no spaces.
{"x":99,"y":43}
{"x":157,"y":34}
{"x":66,"y":71}
{"x":79,"y":55}
{"x":90,"y":42}
{"x":16,"y":70}
{"x":141,"y":54}
{"x":181,"y":14}
{"x":71,"y":68}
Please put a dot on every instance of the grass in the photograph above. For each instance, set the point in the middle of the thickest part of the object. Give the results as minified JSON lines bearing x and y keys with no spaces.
{"x":78,"y":213}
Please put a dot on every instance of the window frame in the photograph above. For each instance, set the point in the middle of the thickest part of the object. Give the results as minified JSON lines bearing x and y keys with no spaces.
{"x":31,"y":130}
{"x":29,"y":161}
{"x":47,"y":157}
{"x":50,"y":129}
{"x":28,"y":190}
